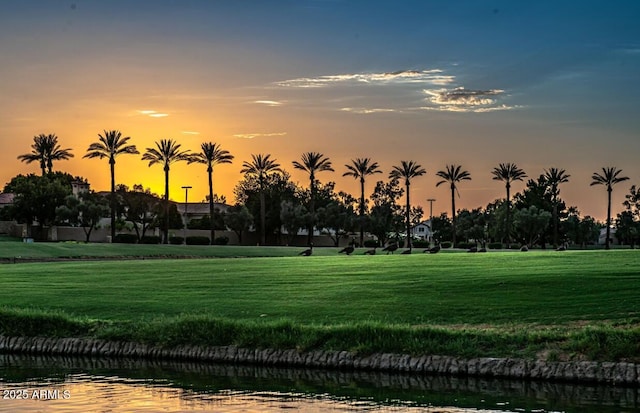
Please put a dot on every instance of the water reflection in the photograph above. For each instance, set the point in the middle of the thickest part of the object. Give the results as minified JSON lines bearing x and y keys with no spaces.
{"x":117,"y":385}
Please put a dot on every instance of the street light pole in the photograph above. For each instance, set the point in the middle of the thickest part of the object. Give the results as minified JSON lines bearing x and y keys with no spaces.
{"x":186,"y":206}
{"x":431,"y":201}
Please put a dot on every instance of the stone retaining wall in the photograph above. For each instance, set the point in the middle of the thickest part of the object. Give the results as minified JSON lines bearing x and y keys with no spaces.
{"x":579,"y":371}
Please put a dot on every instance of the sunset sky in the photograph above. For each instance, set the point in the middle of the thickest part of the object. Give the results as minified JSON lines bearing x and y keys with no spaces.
{"x":538,"y":83}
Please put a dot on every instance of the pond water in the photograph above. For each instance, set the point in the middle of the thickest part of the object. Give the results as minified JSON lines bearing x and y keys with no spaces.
{"x":65,"y":384}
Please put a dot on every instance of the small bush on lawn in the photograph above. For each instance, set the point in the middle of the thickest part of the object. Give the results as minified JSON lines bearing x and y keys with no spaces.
{"x":150,"y":239}
{"x":176,"y":240}
{"x":371,"y":243}
{"x":446,"y":244}
{"x":221,"y":240}
{"x":197,"y":240}
{"x":126,"y":238}
{"x":420,"y":243}
{"x":466,"y":245}
{"x":495,"y":245}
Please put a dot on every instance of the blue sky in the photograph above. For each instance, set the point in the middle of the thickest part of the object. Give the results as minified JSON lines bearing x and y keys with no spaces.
{"x":539,"y":83}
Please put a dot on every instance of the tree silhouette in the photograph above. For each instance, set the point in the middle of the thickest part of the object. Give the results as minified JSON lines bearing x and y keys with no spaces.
{"x":45,"y":150}
{"x":111,"y":144}
{"x":407,"y":171}
{"x":508,"y":173}
{"x":453,"y":174}
{"x":167,"y":151}
{"x":211,"y":154}
{"x":609,"y":177}
{"x":360,"y":168}
{"x":555,"y":177}
{"x":260,"y":167}
{"x":313,"y":162}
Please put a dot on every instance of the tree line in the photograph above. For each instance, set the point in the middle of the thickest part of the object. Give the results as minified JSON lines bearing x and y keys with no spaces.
{"x":268,"y":198}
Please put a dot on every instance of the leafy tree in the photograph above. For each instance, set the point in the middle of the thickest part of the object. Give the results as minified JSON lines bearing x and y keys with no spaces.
{"x":238,"y":219}
{"x":610,"y":176}
{"x":472,"y":224}
{"x":632,"y":202}
{"x":508,"y":173}
{"x":441,"y":227}
{"x":45,"y":150}
{"x":338,"y":216}
{"x":453,"y":174}
{"x":407,"y":170}
{"x":36,"y":199}
{"x":261,"y":168}
{"x":110,"y":145}
{"x":360,"y":168}
{"x":140,"y":207}
{"x":166,"y":152}
{"x":530,"y":223}
{"x":312,"y":163}
{"x":385,"y":215}
{"x":293,"y":217}
{"x":206,"y":223}
{"x":211,"y":154}
{"x":627,"y":228}
{"x":496,"y":212}
{"x":555,"y":177}
{"x":581,"y":231}
{"x":86,"y":210}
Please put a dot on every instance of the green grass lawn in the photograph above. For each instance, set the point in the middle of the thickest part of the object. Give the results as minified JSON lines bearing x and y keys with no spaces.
{"x":506,"y":292}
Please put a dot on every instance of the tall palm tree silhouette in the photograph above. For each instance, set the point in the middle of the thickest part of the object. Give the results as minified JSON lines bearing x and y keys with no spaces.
{"x":260,"y":167}
{"x":609,"y":178}
{"x":360,"y":168}
{"x":44,"y":150}
{"x":111,"y":144}
{"x":555,"y":177}
{"x":166,"y":152}
{"x":211,"y":154}
{"x":508,"y":173}
{"x":407,"y":171}
{"x":453,"y":174}
{"x":312,"y":163}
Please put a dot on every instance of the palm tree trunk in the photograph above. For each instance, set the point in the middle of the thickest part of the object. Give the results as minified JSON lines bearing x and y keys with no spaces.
{"x":112,"y":163}
{"x":408,"y":219}
{"x":555,"y":223}
{"x":263,"y":217}
{"x":361,"y":211}
{"x":211,"y":205}
{"x":508,"y":222}
{"x":453,"y":213}
{"x":166,"y":205}
{"x":606,"y":245}
{"x":312,"y":208}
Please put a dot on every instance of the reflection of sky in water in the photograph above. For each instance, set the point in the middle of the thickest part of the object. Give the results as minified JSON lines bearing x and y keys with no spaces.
{"x":115,"y":395}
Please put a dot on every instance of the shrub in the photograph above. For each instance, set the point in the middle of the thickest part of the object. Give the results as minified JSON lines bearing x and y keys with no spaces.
{"x":126,"y":238}
{"x":514,"y":246}
{"x":150,"y":239}
{"x":420,"y":243}
{"x":371,"y":243}
{"x":223,"y":240}
{"x":176,"y":240}
{"x":495,"y":245}
{"x":197,"y":240}
{"x":446,"y":244}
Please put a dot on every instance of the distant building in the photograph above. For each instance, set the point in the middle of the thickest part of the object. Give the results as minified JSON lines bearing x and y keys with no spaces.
{"x":422,"y":231}
{"x":197,"y":210}
{"x":6,"y":199}
{"x":602,"y":238}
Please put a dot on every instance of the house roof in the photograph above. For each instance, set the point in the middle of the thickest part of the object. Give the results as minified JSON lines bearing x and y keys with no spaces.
{"x":199,"y":208}
{"x":6,"y":198}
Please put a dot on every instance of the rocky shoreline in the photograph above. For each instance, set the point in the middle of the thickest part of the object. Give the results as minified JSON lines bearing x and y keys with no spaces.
{"x":620,"y":373}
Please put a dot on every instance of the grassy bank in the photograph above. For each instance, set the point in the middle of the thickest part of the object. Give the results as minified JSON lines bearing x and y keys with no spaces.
{"x":572,"y":304}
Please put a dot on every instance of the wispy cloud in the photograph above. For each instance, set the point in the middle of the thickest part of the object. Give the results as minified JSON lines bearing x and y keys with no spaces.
{"x":367,"y":111}
{"x":188,"y":132}
{"x":268,"y":102}
{"x":460,"y":99}
{"x":258,"y":135}
{"x":433,"y":77}
{"x":153,"y":113}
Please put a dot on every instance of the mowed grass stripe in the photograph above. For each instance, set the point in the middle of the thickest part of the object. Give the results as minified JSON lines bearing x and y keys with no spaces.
{"x":444,"y":289}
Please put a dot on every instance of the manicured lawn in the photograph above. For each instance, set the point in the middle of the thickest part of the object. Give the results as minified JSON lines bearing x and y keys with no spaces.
{"x":509,"y":291}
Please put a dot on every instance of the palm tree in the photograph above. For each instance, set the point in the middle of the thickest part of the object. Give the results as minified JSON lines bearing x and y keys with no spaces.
{"x":260,"y":167}
{"x":508,"y":173}
{"x":110,"y":145}
{"x":453,"y":175}
{"x":609,"y":177}
{"x":555,"y":177}
{"x":45,"y":150}
{"x":56,"y":153}
{"x":313,"y":162}
{"x":167,"y":151}
{"x":211,"y":155}
{"x":407,"y":170}
{"x":359,"y":169}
